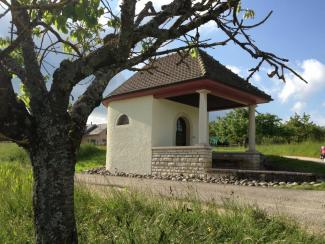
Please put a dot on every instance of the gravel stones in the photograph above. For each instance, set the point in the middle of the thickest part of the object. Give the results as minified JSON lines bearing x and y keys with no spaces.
{"x":193,"y":178}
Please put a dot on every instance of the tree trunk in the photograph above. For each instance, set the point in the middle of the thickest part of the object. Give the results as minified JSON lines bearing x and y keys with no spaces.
{"x":53,"y":160}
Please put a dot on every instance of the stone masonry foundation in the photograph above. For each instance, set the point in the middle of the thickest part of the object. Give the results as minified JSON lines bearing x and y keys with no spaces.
{"x":187,"y":160}
{"x":238,"y":160}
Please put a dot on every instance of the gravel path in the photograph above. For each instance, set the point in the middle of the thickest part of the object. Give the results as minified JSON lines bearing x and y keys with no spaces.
{"x":307,"y":207}
{"x":316,"y":160}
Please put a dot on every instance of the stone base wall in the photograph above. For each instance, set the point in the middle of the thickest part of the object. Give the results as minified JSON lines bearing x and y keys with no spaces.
{"x":187,"y":160}
{"x":238,"y":160}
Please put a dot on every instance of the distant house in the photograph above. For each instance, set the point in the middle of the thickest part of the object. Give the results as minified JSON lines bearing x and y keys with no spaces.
{"x":95,"y":134}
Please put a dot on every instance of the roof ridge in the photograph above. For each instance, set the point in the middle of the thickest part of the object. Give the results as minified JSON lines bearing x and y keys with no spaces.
{"x":202,"y":64}
{"x":224,"y":66}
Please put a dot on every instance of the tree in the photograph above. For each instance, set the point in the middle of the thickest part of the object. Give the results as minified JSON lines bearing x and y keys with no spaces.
{"x":301,"y":128}
{"x":269,"y":127}
{"x":45,"y":124}
{"x":233,"y":127}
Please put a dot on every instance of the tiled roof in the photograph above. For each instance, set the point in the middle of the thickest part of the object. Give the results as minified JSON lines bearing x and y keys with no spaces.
{"x":176,"y":68}
{"x":95,"y":129}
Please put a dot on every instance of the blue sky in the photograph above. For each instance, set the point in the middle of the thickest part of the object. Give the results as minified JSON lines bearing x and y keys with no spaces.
{"x":294,"y":31}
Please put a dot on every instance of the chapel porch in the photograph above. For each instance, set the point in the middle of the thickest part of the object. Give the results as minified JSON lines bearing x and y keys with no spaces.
{"x":183,"y":158}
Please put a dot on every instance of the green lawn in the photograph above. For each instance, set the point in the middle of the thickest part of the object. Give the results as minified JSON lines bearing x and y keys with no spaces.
{"x":126,"y":217}
{"x":307,"y":149}
{"x":89,"y":156}
{"x":274,"y":153}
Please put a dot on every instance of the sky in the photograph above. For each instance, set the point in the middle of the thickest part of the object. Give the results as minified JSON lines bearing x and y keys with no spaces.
{"x":295,"y":31}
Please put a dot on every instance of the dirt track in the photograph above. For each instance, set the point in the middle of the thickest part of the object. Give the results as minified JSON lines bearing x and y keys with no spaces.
{"x":316,"y":160}
{"x":307,"y":207}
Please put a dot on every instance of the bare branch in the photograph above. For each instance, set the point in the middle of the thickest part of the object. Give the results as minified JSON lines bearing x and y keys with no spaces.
{"x":86,"y":103}
{"x":274,"y":61}
{"x":148,"y":10}
{"x":4,"y":13}
{"x":59,"y":38}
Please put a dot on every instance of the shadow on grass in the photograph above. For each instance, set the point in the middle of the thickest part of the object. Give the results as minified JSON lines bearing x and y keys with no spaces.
{"x":274,"y":162}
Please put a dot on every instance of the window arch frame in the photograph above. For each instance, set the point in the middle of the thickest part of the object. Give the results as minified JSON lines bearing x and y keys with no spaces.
{"x":188,"y":124}
{"x":120,"y":123}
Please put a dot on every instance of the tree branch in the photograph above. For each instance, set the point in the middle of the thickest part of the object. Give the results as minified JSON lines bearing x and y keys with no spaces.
{"x":35,"y":83}
{"x":86,"y":103}
{"x":15,"y":120}
{"x":14,"y":67}
{"x":145,"y":12}
{"x":127,"y":26}
{"x":109,"y":56}
{"x":59,"y":38}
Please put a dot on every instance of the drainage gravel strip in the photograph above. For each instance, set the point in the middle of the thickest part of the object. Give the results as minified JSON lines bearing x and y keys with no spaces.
{"x":207,"y":179}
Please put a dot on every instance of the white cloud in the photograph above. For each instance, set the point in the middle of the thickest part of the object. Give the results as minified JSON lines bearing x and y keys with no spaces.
{"x":257,"y":77}
{"x":97,"y":119}
{"x":234,"y":69}
{"x":318,"y":118}
{"x":314,"y":72}
{"x":298,"y":107}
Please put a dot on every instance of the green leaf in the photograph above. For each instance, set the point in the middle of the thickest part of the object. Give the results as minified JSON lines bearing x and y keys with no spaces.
{"x":115,"y":23}
{"x":238,"y":7}
{"x":24,"y":95}
{"x":249,"y":14}
{"x":194,"y":52}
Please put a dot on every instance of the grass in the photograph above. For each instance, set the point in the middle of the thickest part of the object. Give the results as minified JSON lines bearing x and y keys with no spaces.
{"x":274,"y":152}
{"x":306,"y":149}
{"x":88,"y":156}
{"x":126,"y":217}
{"x":10,"y":152}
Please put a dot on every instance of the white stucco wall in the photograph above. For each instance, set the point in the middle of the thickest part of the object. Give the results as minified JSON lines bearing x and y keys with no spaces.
{"x":165,"y":115}
{"x":129,"y":146}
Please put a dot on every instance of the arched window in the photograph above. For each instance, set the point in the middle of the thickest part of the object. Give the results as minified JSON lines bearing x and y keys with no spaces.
{"x":123,"y":120}
{"x":181,"y":132}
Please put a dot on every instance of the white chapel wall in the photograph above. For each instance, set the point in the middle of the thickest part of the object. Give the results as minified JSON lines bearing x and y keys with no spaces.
{"x":165,"y":115}
{"x":129,"y":146}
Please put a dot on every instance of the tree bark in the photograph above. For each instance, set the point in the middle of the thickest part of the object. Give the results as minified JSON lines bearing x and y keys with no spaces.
{"x":53,"y":159}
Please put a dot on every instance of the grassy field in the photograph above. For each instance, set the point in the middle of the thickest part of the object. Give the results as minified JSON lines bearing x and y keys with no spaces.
{"x":89,"y":156}
{"x":125,"y":217}
{"x":274,"y":159}
{"x":307,"y":149}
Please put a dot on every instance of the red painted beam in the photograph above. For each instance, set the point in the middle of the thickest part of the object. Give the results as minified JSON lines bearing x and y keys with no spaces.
{"x":217,"y":89}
